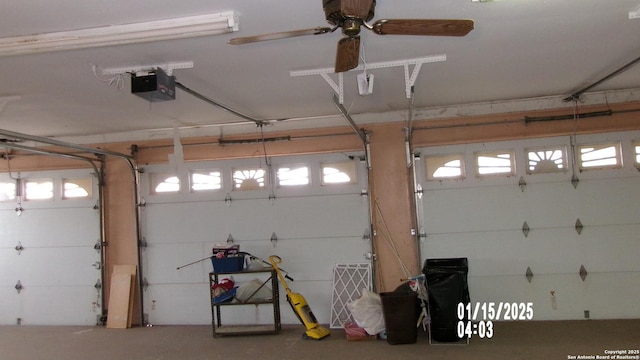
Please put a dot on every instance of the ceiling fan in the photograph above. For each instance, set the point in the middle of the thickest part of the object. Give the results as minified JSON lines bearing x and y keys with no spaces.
{"x":352,"y":16}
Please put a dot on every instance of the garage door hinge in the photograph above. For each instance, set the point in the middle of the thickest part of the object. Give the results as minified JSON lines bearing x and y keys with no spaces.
{"x":145,"y":284}
{"x":143,"y":242}
{"x":98,"y":285}
{"x":19,"y":247}
{"x":19,"y":286}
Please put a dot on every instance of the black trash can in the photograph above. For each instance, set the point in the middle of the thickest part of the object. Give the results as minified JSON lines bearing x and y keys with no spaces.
{"x":447,"y":287}
{"x":400,"y":316}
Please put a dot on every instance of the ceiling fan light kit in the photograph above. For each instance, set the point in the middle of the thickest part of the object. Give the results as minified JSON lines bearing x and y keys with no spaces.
{"x":351,"y":16}
{"x":169,"y":29}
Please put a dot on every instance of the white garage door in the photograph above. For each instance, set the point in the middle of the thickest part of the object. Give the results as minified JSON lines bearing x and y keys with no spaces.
{"x":310,"y":211}
{"x":49,"y":266}
{"x":511,"y":208}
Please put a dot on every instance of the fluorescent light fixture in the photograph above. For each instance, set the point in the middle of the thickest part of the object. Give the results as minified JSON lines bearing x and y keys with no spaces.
{"x":169,"y":29}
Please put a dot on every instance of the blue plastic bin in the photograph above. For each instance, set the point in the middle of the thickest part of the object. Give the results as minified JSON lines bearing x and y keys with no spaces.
{"x":227,"y":264}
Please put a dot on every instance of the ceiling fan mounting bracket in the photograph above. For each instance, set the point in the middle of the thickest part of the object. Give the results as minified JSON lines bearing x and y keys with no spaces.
{"x":409,"y":78}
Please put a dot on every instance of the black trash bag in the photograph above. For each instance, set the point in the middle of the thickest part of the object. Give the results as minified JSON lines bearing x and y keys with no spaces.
{"x":447,"y":287}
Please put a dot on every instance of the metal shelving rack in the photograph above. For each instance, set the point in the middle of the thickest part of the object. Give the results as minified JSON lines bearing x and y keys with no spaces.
{"x":216,"y":319}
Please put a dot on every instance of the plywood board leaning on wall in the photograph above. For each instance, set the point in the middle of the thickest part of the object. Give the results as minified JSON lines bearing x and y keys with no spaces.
{"x":123,"y":282}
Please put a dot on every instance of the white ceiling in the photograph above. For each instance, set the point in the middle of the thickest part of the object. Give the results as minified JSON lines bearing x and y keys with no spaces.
{"x":519,"y":49}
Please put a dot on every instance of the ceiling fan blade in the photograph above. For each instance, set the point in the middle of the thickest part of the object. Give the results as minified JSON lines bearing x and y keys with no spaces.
{"x":279,"y":35}
{"x":355,"y":8}
{"x":433,"y":27}
{"x":348,"y":54}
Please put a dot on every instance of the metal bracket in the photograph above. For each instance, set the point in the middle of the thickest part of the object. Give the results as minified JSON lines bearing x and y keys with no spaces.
{"x":370,"y":256}
{"x":522,"y":184}
{"x":229,"y":239}
{"x":419,"y":191}
{"x":19,"y":247}
{"x":583,"y":272}
{"x":167,"y":68}
{"x":19,"y":286}
{"x":529,"y":274}
{"x":579,"y":226}
{"x":409,"y":79}
{"x":525,"y":229}
{"x":274,"y":239}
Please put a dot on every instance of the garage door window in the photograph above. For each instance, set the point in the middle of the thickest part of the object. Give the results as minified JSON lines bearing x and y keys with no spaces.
{"x":339,"y":173}
{"x":7,"y":191}
{"x":601,"y":156}
{"x":249,"y":179}
{"x":38,"y":189}
{"x":445,"y":167}
{"x":202,"y":180}
{"x":165,"y":183}
{"x":495,"y":162}
{"x":77,"y":188}
{"x":295,"y":175}
{"x":546,"y":160}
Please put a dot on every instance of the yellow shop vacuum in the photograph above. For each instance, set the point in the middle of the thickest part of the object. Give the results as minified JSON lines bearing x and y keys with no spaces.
{"x":300,"y":307}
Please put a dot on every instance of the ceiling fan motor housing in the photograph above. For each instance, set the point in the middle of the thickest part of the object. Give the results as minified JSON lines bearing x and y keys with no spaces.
{"x":333,"y":13}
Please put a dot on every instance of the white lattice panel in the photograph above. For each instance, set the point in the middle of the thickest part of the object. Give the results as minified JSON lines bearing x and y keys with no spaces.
{"x":348,"y":282}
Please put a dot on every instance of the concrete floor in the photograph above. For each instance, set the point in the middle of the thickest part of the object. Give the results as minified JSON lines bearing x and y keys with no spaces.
{"x":511,"y":340}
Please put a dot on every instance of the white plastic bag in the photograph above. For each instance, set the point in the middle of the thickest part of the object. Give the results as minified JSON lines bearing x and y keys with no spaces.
{"x":367,"y":312}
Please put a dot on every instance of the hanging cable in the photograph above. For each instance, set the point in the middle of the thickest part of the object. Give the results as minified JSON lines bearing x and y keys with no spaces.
{"x":386,"y":235}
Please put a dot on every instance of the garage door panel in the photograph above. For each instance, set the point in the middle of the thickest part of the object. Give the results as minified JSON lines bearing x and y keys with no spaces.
{"x":165,"y":259}
{"x":181,"y":222}
{"x":566,"y":302}
{"x":610,"y":248}
{"x":60,"y":305}
{"x":467,"y":209}
{"x":57,"y":266}
{"x":52,"y":227}
{"x":612,"y":295}
{"x":601,"y":202}
{"x":9,"y":270}
{"x":495,"y":208}
{"x":178,"y":304}
{"x":9,"y":303}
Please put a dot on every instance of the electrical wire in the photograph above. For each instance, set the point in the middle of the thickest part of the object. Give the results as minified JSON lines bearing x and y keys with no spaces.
{"x":118,"y":80}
